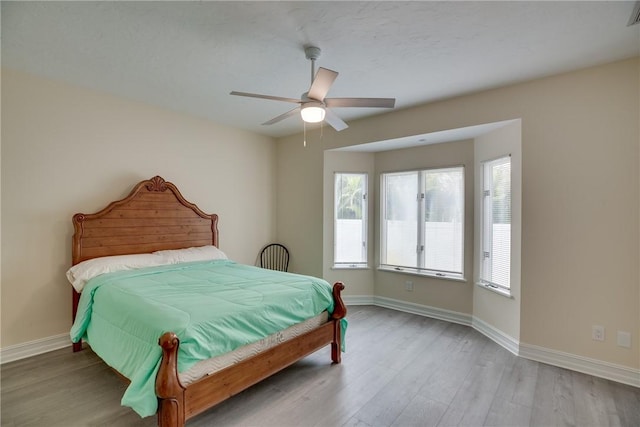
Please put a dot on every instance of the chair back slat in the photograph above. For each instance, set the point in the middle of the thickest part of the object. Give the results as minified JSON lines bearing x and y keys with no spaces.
{"x":274,"y":256}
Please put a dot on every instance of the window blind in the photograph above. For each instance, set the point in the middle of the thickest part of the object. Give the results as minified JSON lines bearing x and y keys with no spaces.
{"x":496,"y":227}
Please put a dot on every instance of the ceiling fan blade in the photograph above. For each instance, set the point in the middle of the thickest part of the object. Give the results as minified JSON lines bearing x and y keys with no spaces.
{"x":273,"y":98}
{"x":282,"y":116}
{"x":334,"y":121}
{"x":360,"y":102}
{"x":322,"y":83}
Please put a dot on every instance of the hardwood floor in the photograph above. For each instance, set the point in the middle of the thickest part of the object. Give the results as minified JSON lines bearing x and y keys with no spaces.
{"x":399,"y":370}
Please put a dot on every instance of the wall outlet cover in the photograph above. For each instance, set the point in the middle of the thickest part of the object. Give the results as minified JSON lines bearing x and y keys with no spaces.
{"x":597,"y":333}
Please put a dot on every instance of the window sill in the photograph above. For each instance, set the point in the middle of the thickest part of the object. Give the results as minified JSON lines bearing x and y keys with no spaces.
{"x":430,"y":275}
{"x":500,"y":291}
{"x":350,"y":267}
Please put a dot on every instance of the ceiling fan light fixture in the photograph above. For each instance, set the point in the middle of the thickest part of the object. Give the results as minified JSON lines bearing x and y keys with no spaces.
{"x":312,"y":112}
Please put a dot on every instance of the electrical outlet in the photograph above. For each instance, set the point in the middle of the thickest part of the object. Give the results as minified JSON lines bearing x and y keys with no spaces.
{"x":624,"y":339}
{"x":408,"y":286}
{"x":597,"y":333}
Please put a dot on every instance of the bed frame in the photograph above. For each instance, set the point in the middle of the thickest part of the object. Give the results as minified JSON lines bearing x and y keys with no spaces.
{"x":155,"y":216}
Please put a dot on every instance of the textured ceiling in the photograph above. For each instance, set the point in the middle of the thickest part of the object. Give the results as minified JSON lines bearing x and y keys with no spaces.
{"x":188,"y":56}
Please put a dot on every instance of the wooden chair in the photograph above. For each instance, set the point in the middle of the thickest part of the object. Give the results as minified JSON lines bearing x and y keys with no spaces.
{"x":274,"y":256}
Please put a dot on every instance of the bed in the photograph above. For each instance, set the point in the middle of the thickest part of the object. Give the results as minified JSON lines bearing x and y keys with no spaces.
{"x":155,"y":219}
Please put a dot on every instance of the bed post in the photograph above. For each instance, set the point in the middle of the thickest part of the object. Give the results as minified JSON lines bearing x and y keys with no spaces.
{"x":168,"y":388}
{"x":339,"y":312}
{"x":78,"y":222}
{"x":75,"y":299}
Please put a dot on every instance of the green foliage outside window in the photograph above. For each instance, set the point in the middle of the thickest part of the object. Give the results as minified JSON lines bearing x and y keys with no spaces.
{"x":349,"y":203}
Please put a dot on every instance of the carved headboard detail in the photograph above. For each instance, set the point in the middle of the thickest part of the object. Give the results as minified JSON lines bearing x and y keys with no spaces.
{"x":154,"y":216}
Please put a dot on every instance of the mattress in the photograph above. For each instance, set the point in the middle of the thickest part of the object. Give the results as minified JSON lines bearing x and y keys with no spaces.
{"x":213,"y":365}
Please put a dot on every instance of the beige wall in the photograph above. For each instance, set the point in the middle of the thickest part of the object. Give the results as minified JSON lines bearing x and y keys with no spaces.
{"x":299,"y":199}
{"x":68,"y":150}
{"x":496,"y":310}
{"x":580,"y":199}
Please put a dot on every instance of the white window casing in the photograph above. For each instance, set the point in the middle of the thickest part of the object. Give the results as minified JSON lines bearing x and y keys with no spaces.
{"x":422,"y":222}
{"x":350,"y":220}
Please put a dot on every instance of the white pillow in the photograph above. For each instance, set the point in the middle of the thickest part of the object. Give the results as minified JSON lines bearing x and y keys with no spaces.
{"x":197,"y":253}
{"x":82,"y":272}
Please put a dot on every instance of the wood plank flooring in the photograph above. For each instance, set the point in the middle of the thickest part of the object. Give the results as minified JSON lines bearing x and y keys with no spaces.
{"x":400,"y":369}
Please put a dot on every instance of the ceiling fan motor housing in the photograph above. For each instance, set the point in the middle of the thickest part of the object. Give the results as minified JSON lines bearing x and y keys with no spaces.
{"x":312,"y":52}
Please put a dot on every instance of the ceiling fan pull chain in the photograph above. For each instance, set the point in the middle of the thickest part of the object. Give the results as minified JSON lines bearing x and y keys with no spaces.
{"x":304,"y":137}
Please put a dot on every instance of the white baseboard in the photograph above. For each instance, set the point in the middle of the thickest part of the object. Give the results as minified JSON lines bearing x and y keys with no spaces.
{"x":33,"y":348}
{"x":358,"y":299}
{"x":597,"y":368}
{"x":423,"y":310}
{"x":496,"y":335}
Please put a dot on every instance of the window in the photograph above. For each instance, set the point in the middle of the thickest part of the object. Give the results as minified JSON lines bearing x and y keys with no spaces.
{"x":350,"y":227}
{"x":422,"y":227}
{"x":495,"y":268}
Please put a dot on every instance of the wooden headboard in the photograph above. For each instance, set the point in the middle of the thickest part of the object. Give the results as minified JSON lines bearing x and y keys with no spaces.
{"x":154,"y":216}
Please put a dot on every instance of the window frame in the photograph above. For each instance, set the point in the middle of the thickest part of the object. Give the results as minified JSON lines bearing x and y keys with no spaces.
{"x":420,"y":268}
{"x":365,"y":221}
{"x":486,"y":276}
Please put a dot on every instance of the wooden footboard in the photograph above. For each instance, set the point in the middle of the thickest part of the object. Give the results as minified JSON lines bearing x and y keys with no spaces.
{"x":177,"y":403}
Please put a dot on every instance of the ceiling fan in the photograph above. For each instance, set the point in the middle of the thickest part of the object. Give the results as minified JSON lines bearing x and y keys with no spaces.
{"x":313,"y":106}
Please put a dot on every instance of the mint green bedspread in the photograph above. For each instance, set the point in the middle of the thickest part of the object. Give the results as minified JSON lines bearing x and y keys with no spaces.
{"x":214,"y":307}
